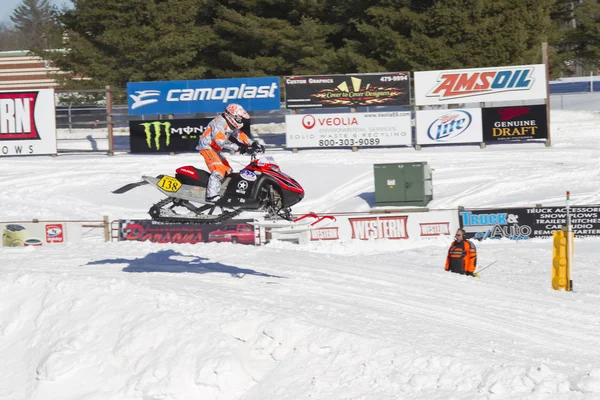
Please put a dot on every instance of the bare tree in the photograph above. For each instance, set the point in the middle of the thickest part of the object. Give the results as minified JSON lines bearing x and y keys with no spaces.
{"x":8,"y":38}
{"x":34,"y":22}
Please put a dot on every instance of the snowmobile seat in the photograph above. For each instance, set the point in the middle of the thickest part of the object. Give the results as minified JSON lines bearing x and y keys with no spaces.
{"x":188,"y":179}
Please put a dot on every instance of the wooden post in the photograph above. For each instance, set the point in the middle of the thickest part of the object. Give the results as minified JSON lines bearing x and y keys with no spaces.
{"x":106,"y":228}
{"x":109,"y":120}
{"x":547,"y":64}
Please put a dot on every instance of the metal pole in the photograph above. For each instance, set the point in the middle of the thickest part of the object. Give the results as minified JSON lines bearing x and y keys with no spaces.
{"x":547,"y":64}
{"x":109,"y":120}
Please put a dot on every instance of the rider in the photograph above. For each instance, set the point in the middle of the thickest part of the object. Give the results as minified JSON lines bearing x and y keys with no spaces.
{"x":223,"y":132}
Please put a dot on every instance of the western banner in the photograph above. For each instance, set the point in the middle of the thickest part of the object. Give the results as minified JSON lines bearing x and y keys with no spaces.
{"x":514,"y":123}
{"x":147,"y":230}
{"x":27,"y":123}
{"x":528,"y":223}
{"x":392,"y":226}
{"x":475,"y":85}
{"x":203,"y":96}
{"x":169,"y":136}
{"x":385,"y":89}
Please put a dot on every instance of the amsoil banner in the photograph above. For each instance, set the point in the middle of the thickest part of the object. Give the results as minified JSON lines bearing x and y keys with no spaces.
{"x":386,"y":89}
{"x":348,"y":130}
{"x":513,"y":83}
{"x":527,"y":223}
{"x":515,"y":123}
{"x":449,"y":126}
{"x":147,"y":230}
{"x":38,"y":234}
{"x":166,"y":136}
{"x":27,"y":123}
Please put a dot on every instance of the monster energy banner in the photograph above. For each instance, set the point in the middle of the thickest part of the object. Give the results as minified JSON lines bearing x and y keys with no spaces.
{"x":528,"y":223}
{"x":385,"y":89}
{"x":169,"y":136}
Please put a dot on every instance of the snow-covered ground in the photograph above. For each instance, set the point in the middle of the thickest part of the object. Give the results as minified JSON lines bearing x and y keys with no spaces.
{"x":344,"y":320}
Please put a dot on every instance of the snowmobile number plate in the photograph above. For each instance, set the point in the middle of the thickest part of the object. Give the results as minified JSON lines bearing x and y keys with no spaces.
{"x":169,"y":184}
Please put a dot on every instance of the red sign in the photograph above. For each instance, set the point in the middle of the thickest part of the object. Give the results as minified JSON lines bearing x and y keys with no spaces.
{"x":55,"y":233}
{"x":435,"y":229}
{"x":379,"y":228}
{"x":324,"y":234}
{"x":17,"y":116}
{"x":146,"y":232}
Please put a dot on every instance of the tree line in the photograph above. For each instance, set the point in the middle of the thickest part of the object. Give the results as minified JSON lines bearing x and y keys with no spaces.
{"x":113,"y":42}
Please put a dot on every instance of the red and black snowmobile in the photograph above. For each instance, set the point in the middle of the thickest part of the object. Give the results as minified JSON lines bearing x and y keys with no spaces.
{"x":260,"y":186}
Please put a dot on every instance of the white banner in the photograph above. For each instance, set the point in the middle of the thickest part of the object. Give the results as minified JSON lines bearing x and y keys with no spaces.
{"x":39,"y":234}
{"x":449,"y":126}
{"x":347,"y":130}
{"x":393,"y":226}
{"x":27,"y":123}
{"x":522,"y":82}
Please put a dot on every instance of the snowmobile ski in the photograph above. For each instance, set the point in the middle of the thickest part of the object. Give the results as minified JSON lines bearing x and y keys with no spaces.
{"x":304,"y":223}
{"x":128,"y":187}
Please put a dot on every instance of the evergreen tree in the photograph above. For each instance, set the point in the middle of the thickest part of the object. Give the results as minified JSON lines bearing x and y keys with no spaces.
{"x":34,"y":22}
{"x":264,"y":37}
{"x":479,"y":33}
{"x":115,"y":42}
{"x":584,"y":38}
{"x":386,"y":27}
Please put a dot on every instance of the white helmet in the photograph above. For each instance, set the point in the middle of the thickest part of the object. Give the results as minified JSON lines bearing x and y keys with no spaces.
{"x":234,"y":114}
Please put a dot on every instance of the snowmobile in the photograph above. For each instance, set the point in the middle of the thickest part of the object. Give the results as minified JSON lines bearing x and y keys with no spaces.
{"x":260,"y":186}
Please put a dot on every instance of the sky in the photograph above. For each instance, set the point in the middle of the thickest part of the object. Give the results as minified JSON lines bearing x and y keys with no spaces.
{"x":354,"y":319}
{"x":7,"y":7}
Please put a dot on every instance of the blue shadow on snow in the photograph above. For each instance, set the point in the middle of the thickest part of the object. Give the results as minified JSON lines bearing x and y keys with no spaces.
{"x":162,"y":261}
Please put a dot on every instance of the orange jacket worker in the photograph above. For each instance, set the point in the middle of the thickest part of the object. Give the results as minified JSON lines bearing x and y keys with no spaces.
{"x":462,"y":255}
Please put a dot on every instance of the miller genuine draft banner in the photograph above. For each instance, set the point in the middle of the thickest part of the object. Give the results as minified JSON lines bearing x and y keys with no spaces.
{"x":169,"y":136}
{"x":515,"y":123}
{"x":385,"y":89}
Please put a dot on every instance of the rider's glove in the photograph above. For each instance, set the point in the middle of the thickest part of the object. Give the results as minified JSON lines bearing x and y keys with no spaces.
{"x":258,"y":148}
{"x":243,"y":149}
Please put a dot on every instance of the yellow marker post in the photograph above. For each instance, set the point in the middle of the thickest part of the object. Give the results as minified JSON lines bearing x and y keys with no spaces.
{"x":562,"y":255}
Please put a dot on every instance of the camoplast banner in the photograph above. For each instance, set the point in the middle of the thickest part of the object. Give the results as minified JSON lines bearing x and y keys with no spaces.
{"x":348,"y":130}
{"x":385,"y":89}
{"x":147,"y":230}
{"x":169,"y":135}
{"x":392,"y":226}
{"x":527,"y":223}
{"x":513,"y":83}
{"x":449,"y":126}
{"x":27,"y":123}
{"x":515,"y":123}
{"x":203,"y":96}
{"x":37,"y":234}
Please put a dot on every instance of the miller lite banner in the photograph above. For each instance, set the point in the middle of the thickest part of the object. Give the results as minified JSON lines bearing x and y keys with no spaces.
{"x":513,"y":83}
{"x":377,"y":89}
{"x":391,"y":128}
{"x":501,"y":124}
{"x":392,"y":226}
{"x":449,"y":126}
{"x":27,"y":122}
